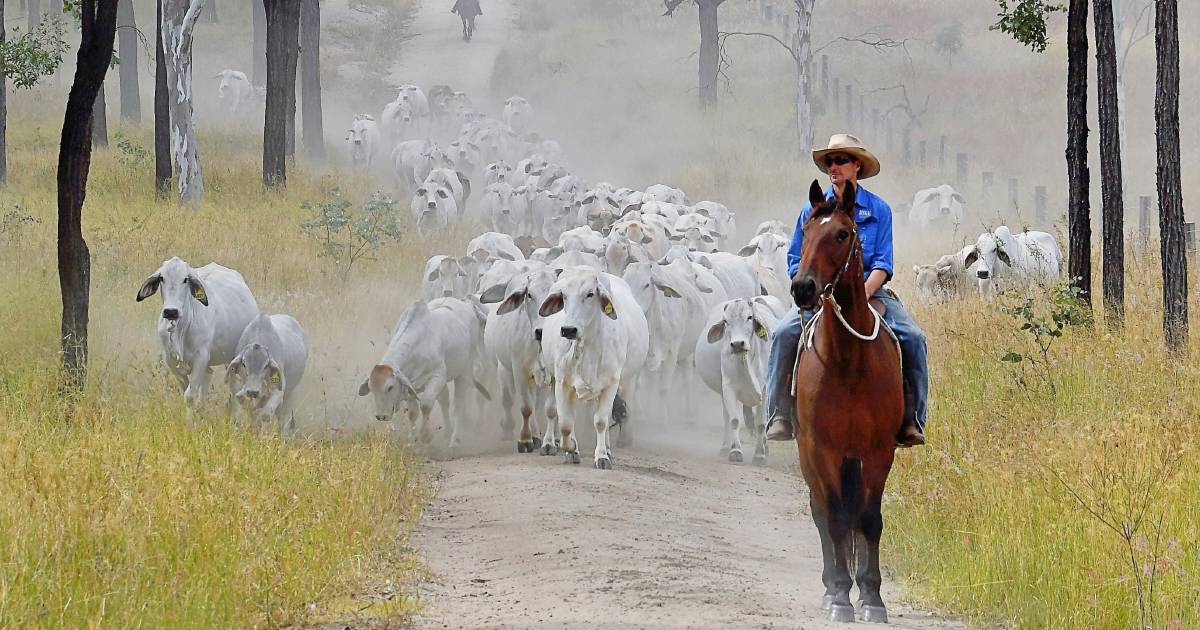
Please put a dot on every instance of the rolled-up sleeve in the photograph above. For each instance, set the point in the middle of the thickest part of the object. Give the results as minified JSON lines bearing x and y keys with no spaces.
{"x":883,"y":240}
{"x":793,"y":252}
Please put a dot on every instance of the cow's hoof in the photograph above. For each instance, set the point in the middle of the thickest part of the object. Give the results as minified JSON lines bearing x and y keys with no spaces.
{"x":841,"y":613}
{"x":549,"y":449}
{"x":603,"y":463}
{"x":826,"y":602}
{"x":570,"y":458}
{"x":873,"y":614}
{"x":735,"y":457}
{"x":760,"y":459}
{"x":537,"y":442}
{"x":524,"y":447}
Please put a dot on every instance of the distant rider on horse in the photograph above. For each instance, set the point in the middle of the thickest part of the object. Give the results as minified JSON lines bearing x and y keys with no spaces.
{"x":467,"y":10}
{"x":846,"y":160}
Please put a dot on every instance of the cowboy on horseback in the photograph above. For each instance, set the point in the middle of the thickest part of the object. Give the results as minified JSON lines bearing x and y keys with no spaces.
{"x":847,"y":161}
{"x":467,"y":10}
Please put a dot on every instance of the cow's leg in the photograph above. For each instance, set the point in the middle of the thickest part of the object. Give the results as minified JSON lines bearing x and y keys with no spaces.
{"x":197,"y":380}
{"x":506,"y":400}
{"x":552,"y":441}
{"x":525,"y":396}
{"x":602,"y":419}
{"x":760,"y":435}
{"x":732,"y":410}
{"x":566,"y":424}
{"x":463,"y":386}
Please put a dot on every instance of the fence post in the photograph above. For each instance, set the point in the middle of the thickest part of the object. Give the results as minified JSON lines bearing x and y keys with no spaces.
{"x":922,"y":152}
{"x":825,"y":77}
{"x":942,"y":155}
{"x":1144,"y":220}
{"x":985,"y":191}
{"x":837,"y":94}
{"x":960,"y":171}
{"x":1013,"y":200}
{"x":1189,"y":237}
{"x":1039,"y":205}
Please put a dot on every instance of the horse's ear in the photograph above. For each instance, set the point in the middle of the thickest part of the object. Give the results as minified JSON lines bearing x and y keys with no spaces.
{"x":849,"y":192}
{"x":816,"y":196}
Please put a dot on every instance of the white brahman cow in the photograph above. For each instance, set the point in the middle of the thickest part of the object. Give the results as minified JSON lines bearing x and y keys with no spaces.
{"x":940,"y":207}
{"x":204,"y":312}
{"x":1005,"y":258}
{"x":263,"y":377}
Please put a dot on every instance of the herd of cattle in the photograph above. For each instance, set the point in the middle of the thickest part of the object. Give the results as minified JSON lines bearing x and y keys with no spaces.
{"x":582,"y":303}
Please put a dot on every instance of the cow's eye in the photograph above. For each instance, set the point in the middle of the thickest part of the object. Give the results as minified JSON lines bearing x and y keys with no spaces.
{"x":590,"y":294}
{"x":842,"y":235}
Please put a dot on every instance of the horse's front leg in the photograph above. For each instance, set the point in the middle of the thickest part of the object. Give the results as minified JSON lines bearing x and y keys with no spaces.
{"x":820,"y":516}
{"x":837,"y":577}
{"x":871,"y":606}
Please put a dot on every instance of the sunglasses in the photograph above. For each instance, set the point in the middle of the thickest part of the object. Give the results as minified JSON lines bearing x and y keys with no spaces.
{"x":840,"y":160}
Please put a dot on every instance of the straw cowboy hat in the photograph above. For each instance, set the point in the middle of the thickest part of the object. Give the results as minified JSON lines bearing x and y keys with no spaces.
{"x":850,"y":145}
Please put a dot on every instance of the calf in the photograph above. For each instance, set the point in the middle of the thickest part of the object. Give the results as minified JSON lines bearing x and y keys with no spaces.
{"x":595,"y":338}
{"x":364,"y":141}
{"x":234,"y":90}
{"x":432,"y":206}
{"x":204,"y":312}
{"x":264,"y":375}
{"x":518,"y":114}
{"x":444,"y":276}
{"x":497,"y":208}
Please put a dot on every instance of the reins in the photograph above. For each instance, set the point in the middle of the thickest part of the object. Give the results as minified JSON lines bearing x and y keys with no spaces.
{"x":827,"y":298}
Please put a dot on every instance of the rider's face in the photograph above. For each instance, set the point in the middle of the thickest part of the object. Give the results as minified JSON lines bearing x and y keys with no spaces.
{"x":847,"y":171}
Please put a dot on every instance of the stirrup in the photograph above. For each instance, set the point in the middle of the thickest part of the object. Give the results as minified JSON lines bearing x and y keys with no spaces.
{"x":781,"y":430}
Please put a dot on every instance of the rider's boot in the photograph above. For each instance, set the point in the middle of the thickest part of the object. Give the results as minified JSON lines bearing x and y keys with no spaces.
{"x":781,"y":429}
{"x":910,"y":432}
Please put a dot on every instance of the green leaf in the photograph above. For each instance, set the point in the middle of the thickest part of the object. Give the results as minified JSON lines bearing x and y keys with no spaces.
{"x":1012,"y":357}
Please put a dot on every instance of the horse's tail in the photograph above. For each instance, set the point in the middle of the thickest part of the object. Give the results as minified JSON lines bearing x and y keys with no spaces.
{"x":850,"y":474}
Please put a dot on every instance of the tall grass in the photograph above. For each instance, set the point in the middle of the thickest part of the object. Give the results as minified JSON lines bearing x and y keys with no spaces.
{"x":117,"y":508}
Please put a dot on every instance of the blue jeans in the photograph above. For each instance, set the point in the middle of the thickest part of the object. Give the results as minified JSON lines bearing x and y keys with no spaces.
{"x":786,"y":341}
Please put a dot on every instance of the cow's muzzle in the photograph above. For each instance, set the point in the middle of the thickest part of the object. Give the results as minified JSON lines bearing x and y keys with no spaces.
{"x":738,"y":347}
{"x":537,"y":334}
{"x":250,"y":393}
{"x":170,"y":314}
{"x":569,"y":332}
{"x":983,"y":274}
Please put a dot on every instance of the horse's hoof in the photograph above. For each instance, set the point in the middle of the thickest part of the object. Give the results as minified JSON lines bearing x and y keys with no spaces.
{"x":603,"y":463}
{"x":841,"y":613}
{"x":524,"y":447}
{"x":570,"y":458}
{"x":735,"y":457}
{"x":826,"y":602}
{"x":549,"y":449}
{"x":873,"y":614}
{"x":760,"y":459}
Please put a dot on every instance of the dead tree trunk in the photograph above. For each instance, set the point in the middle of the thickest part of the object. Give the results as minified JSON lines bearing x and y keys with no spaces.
{"x":179,"y":19}
{"x":99,"y":26}
{"x":1079,"y":252}
{"x":709,"y":53}
{"x":283,"y":34}
{"x":127,"y":36}
{"x":162,"y":113}
{"x":310,"y":51}
{"x":802,"y":49}
{"x":3,"y":111}
{"x":100,"y":119}
{"x":1113,"y":228}
{"x":1170,"y":190}
{"x":258,"y":49}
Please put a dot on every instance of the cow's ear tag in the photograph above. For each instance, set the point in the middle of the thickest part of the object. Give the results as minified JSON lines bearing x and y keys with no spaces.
{"x":608,"y":309}
{"x":762,"y":332}
{"x":275,"y":378}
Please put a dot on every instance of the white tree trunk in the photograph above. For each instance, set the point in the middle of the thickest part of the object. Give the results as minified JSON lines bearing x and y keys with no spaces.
{"x":802,"y":49}
{"x":178,"y":21}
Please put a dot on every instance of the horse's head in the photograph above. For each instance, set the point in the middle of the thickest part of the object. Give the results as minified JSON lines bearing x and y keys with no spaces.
{"x":830,"y":240}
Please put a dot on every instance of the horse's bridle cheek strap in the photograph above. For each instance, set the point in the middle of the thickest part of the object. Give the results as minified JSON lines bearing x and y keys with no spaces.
{"x":827,"y":291}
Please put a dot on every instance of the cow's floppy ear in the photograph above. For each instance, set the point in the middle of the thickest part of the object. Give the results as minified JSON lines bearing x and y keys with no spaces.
{"x":232,"y":369}
{"x":197,"y":289}
{"x":606,"y":306}
{"x":916,"y":268}
{"x":365,"y":388}
{"x":149,"y":287}
{"x":1003,"y":256}
{"x":493,"y":294}
{"x":716,"y":332}
{"x":816,"y":196}
{"x":971,"y":258}
{"x":433,"y":275}
{"x":512,"y":302}
{"x":551,"y":305}
{"x":506,"y":256}
{"x":274,"y":374}
{"x":759,"y":329}
{"x":667,"y":290}
{"x":748,"y":250}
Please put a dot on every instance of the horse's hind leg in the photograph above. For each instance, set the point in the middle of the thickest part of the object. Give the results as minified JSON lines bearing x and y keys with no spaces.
{"x":868,"y":577}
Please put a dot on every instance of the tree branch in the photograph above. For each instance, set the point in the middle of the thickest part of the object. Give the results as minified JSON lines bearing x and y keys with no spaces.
{"x":871,"y":39}
{"x":671,"y":5}
{"x":724,"y":35}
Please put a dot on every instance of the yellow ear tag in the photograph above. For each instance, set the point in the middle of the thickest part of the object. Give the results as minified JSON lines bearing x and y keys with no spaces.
{"x":275,"y":378}
{"x":762,"y":332}
{"x":608,"y":309}
{"x":200,"y":294}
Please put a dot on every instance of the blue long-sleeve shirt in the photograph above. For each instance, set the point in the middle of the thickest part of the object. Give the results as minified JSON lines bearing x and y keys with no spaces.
{"x":874,"y":218}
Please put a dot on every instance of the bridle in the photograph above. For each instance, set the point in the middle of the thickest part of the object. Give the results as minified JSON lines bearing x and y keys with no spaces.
{"x":827,"y":299}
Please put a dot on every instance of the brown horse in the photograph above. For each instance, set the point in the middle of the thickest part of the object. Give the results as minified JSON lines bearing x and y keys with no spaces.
{"x":849,"y":405}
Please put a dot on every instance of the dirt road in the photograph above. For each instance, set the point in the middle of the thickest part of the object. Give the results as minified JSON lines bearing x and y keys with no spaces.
{"x":435,"y":53}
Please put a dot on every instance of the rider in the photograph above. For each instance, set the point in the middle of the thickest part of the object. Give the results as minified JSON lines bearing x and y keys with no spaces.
{"x":467,"y":5}
{"x":845,"y":160}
